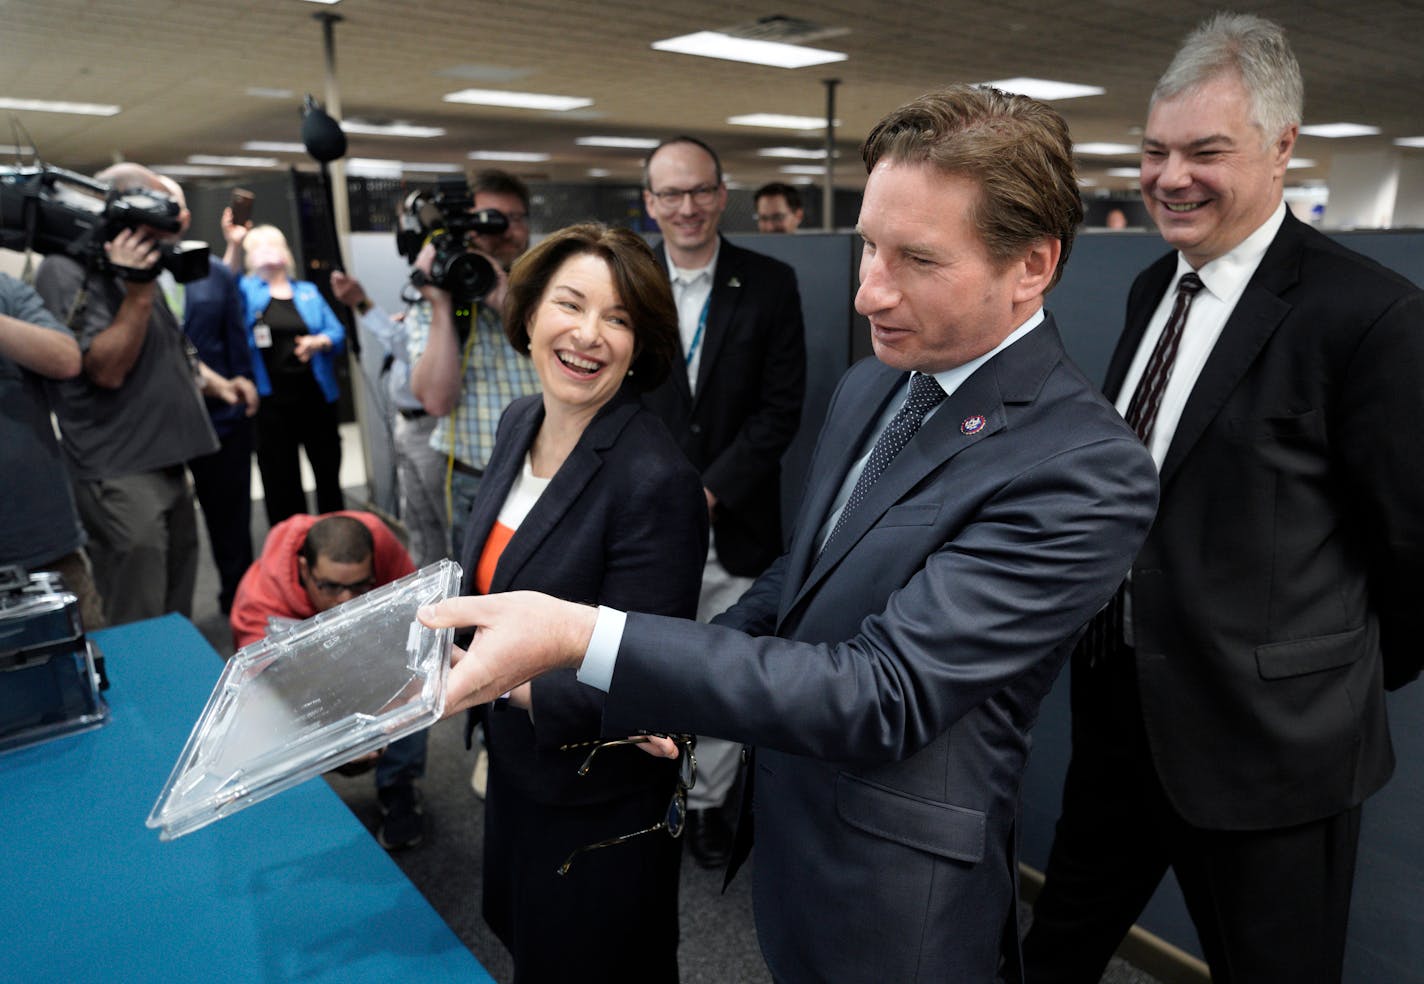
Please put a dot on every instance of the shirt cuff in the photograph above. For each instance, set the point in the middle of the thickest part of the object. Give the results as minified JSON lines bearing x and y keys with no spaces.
{"x":602,"y":653}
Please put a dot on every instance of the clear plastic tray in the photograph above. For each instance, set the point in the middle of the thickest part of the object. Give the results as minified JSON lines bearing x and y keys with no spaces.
{"x":311,"y":697}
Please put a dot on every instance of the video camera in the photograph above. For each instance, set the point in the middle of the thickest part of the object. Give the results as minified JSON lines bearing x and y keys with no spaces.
{"x":446,"y":219}
{"x":50,"y":210}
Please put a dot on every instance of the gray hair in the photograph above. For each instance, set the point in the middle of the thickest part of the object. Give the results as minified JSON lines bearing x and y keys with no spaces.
{"x":1257,"y":52}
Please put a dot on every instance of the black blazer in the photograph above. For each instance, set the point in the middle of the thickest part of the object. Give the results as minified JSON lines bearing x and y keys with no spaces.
{"x":1279,"y":588}
{"x":750,"y":386}
{"x":623,"y":523}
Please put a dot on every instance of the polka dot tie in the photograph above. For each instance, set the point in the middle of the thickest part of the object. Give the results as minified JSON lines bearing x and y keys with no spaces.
{"x":925,"y":395}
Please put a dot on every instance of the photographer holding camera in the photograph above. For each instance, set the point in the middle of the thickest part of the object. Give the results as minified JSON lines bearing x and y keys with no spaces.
{"x":133,"y":416}
{"x":463,"y":369}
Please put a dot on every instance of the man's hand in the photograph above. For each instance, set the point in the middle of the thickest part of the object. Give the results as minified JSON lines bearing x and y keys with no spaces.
{"x":233,"y":235}
{"x":308,"y":344}
{"x":247,"y":392}
{"x":133,"y":249}
{"x":347,"y":289}
{"x":518,"y":636}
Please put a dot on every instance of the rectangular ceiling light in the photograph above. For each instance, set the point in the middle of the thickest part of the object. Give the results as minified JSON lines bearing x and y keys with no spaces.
{"x":630,"y":143}
{"x":373,"y":167}
{"x":275,"y":146}
{"x":714,"y":44}
{"x":779,"y":121}
{"x":1046,"y":89}
{"x":391,"y":129}
{"x":214,"y":160}
{"x":1335,"y":130}
{"x":803,"y":169}
{"x":191,"y":170}
{"x":1090,"y":149}
{"x":46,"y":106}
{"x":795,"y":153}
{"x":1410,"y":142}
{"x":517,"y":100}
{"x":263,"y":92}
{"x":516,"y":156}
{"x":1124,"y":172}
{"x":1299,"y":162}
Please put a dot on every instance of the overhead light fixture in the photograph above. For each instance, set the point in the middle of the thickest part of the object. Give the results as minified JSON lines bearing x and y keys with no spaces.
{"x":1336,"y":130}
{"x":817,"y":169}
{"x":215,"y":160}
{"x":517,"y":100}
{"x":263,"y":92}
{"x":796,"y":153}
{"x":1299,"y":162}
{"x":377,"y":167}
{"x":191,"y":170}
{"x":1410,"y":142}
{"x":516,"y":156}
{"x":391,"y":129}
{"x":327,"y":2}
{"x":779,"y":121}
{"x":629,"y":143}
{"x":598,"y":172}
{"x":1091,"y":149}
{"x":1046,"y":89}
{"x":1124,"y":172}
{"x":275,"y":146}
{"x":1087,"y":183}
{"x":47,"y":106}
{"x":715,"y":44}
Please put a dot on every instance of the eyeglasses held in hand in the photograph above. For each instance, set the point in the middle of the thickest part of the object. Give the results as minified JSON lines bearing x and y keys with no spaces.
{"x":702,"y":196}
{"x":675,"y":818}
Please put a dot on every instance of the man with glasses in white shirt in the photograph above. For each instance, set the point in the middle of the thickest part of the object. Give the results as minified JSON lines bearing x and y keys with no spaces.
{"x":734,"y":408}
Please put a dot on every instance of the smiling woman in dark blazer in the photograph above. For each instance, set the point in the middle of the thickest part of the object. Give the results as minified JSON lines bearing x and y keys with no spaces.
{"x":588,"y":498}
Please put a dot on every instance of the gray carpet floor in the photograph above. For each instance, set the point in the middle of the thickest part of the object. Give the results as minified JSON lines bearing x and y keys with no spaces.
{"x":718,"y":944}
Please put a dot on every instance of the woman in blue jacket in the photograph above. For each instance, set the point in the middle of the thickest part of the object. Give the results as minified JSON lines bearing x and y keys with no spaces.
{"x":295,"y":338}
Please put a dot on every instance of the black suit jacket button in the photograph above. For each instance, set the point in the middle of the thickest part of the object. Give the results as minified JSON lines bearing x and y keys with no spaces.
{"x":696,"y":428}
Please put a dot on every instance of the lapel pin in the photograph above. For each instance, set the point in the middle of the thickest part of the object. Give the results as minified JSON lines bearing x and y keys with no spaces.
{"x":972,"y":425}
{"x":734,"y":282}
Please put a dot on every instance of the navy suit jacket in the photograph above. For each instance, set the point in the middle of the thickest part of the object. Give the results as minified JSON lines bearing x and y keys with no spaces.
{"x":622,"y":523}
{"x":750,"y":386}
{"x":890,"y":683}
{"x":1281,"y":584}
{"x":212,"y":320}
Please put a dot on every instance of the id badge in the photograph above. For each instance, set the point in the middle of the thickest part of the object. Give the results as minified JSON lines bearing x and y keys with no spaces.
{"x":262,"y":335}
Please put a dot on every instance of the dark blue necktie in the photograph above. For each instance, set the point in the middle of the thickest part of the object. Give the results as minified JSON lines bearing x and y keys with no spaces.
{"x":925,"y":394}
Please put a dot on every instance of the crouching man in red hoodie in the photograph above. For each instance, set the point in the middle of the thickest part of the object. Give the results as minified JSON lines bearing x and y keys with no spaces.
{"x":310,"y":564}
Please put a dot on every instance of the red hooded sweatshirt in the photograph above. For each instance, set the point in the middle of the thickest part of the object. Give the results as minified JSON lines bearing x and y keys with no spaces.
{"x":272,"y":586}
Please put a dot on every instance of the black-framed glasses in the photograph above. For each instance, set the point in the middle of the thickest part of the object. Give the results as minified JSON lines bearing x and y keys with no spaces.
{"x":336,"y":587}
{"x":702,"y":196}
{"x":676,"y":817}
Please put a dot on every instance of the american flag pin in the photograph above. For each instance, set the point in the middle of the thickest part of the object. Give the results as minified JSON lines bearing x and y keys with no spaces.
{"x":734,"y":282}
{"x":972,"y":425}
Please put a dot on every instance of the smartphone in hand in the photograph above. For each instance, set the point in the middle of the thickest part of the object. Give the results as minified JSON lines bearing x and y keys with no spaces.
{"x":241,"y":205}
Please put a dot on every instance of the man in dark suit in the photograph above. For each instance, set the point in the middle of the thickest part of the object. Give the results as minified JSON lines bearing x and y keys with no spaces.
{"x":733,"y":405}
{"x":1228,"y":711}
{"x":889,"y":666}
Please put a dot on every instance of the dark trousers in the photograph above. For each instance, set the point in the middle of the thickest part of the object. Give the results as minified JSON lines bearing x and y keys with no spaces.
{"x":1268,"y":905}
{"x":223,"y":481}
{"x":283,"y":426}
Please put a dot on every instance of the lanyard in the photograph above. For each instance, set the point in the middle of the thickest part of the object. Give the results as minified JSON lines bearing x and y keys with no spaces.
{"x":697,"y":336}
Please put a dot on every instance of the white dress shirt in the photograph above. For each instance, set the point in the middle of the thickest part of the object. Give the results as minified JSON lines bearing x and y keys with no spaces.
{"x":692,"y":290}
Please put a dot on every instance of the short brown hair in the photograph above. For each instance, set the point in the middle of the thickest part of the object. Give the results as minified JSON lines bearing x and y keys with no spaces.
{"x":1015,"y":148}
{"x":638,"y":278}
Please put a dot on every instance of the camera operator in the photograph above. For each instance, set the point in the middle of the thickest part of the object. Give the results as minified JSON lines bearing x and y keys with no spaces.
{"x":41,"y":531}
{"x":132,"y":417}
{"x":463,"y":369}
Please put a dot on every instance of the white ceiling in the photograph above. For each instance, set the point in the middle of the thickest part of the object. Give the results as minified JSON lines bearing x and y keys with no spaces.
{"x":181,"y":70}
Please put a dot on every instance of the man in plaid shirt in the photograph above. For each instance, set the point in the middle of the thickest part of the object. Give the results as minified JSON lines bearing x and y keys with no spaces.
{"x":463,"y":369}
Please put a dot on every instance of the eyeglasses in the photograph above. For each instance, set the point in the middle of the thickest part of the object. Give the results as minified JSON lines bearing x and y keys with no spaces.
{"x":774,"y":217}
{"x":336,"y":587}
{"x":702,"y":196}
{"x":675,"y":818}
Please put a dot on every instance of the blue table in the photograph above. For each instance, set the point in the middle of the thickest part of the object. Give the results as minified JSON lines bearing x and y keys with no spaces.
{"x":293,"y":889}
